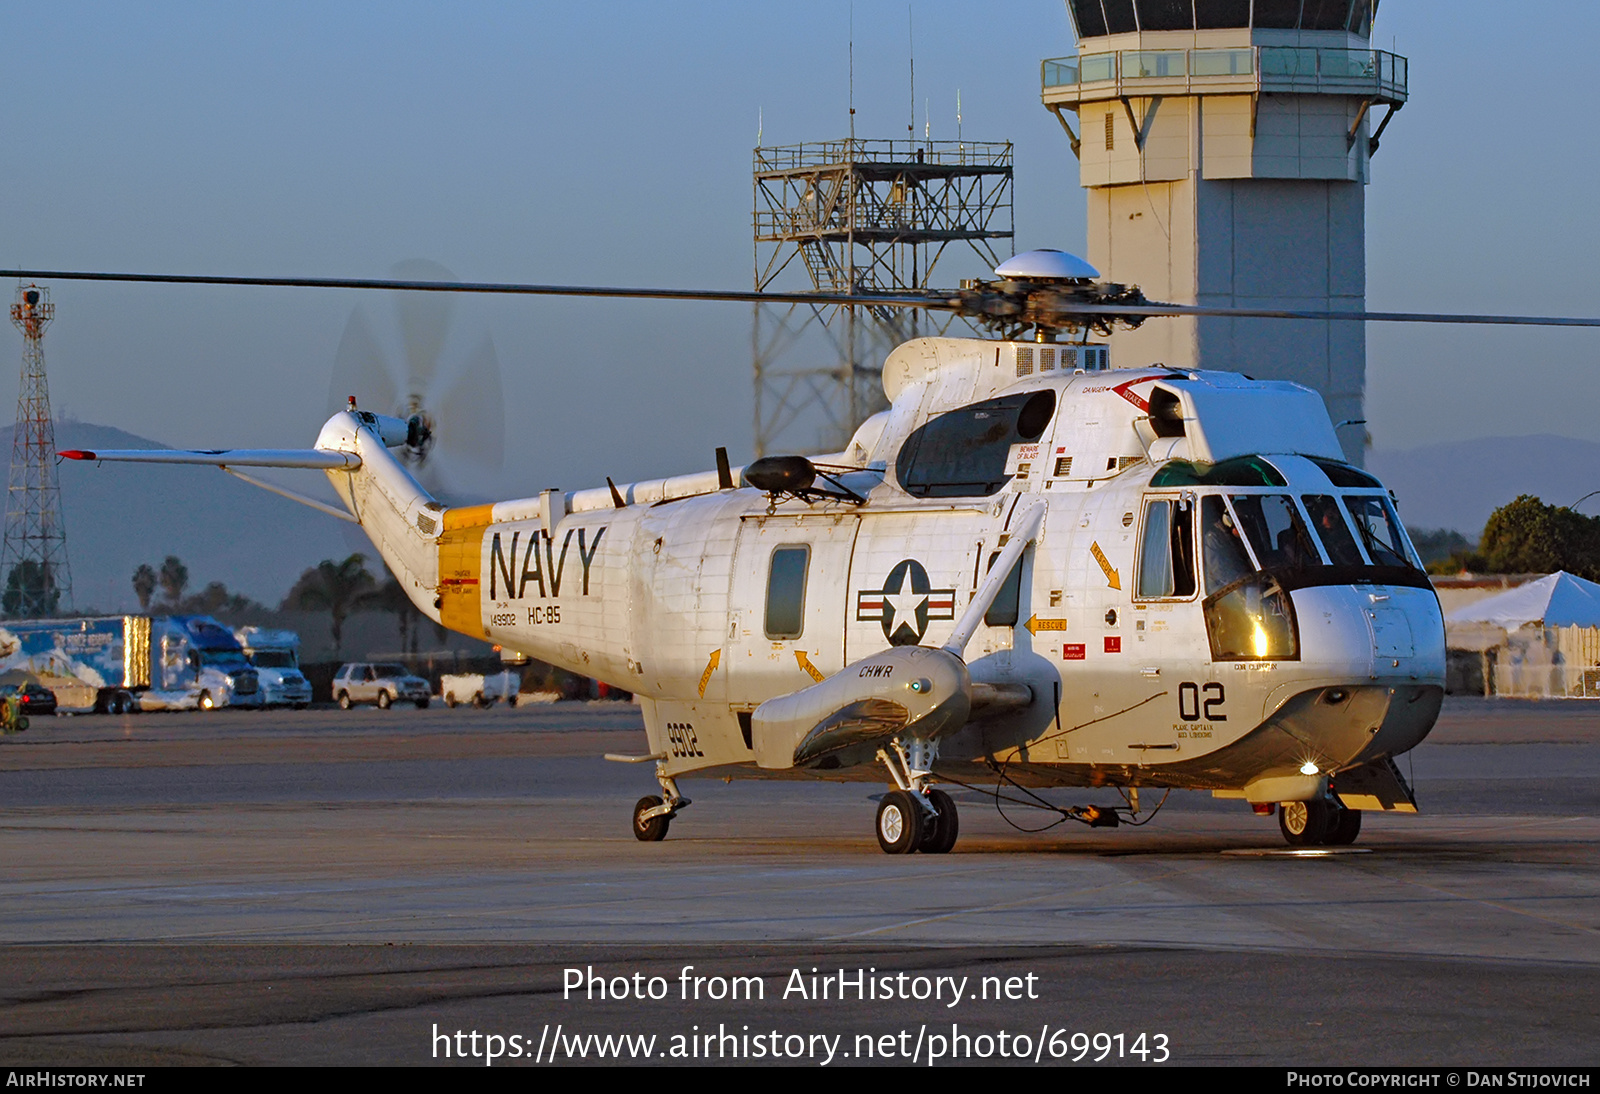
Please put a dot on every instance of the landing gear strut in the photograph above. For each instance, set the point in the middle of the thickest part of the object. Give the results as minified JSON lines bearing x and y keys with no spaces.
{"x":914,"y":816}
{"x":652,"y":815}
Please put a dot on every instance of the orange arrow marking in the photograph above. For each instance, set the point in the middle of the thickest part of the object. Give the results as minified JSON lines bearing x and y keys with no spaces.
{"x":1035,"y":624}
{"x":711,"y":666}
{"x":805,"y":663}
{"x":1113,"y":579}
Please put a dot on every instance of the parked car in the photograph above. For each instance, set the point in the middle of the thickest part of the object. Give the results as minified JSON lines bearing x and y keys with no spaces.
{"x":36,"y":699}
{"x":381,"y":684}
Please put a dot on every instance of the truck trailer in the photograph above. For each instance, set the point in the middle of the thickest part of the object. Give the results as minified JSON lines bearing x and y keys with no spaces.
{"x":120,"y":663}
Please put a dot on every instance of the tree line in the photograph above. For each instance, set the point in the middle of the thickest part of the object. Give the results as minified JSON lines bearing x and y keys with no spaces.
{"x":338,"y":588}
{"x":1526,"y":536}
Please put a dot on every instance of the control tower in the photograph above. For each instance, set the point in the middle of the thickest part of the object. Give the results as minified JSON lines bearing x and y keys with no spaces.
{"x":1225,"y":145}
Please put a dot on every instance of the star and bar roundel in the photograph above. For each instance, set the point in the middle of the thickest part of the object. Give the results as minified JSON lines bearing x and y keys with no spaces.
{"x":905,"y":604}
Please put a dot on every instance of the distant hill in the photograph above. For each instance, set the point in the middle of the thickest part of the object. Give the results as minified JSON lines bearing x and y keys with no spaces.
{"x":119,"y":515}
{"x":1458,"y":485}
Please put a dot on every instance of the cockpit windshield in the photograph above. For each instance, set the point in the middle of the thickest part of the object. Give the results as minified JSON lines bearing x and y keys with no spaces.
{"x":1379,"y":530}
{"x":1256,"y":546}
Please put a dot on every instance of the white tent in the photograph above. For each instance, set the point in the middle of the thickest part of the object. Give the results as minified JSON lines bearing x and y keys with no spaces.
{"x":1559,"y":600}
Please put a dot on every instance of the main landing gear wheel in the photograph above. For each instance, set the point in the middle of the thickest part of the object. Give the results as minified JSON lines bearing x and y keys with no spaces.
{"x":900,"y":823}
{"x":1305,"y":824}
{"x":1345,"y":828}
{"x":939,"y":833}
{"x":654,"y":829}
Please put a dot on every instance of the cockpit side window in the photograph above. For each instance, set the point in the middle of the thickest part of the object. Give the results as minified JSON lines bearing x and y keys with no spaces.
{"x":1166,"y":556}
{"x":962,"y":453}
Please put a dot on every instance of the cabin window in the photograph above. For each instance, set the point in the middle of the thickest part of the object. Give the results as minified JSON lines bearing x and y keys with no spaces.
{"x":1328,"y":522}
{"x":1166,"y":556}
{"x":786,"y":591}
{"x":962,"y":453}
{"x":1006,"y":609}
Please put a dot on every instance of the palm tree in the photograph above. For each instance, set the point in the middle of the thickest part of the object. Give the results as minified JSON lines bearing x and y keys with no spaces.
{"x":334,"y":587}
{"x":144,"y":585}
{"x":174,"y":578}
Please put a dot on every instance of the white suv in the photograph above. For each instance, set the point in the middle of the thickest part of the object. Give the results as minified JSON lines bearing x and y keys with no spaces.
{"x":382,"y":684}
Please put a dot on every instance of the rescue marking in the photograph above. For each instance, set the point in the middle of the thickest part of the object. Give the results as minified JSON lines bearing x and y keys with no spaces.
{"x":1035,"y":624}
{"x":1113,"y":579}
{"x":711,"y":666}
{"x":810,"y":669}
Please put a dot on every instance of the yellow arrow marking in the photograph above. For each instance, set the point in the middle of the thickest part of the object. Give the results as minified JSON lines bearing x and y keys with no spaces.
{"x":1112,"y":577}
{"x":711,"y":666}
{"x":805,"y":663}
{"x":1035,"y":624}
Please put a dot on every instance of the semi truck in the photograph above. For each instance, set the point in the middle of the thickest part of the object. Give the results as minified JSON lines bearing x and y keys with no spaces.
{"x":276,"y":658}
{"x":120,"y":663}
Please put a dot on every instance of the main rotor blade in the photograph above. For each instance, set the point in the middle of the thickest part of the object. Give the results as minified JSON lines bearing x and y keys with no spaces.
{"x":493,"y":287}
{"x":1156,"y":310}
{"x":939,"y":300}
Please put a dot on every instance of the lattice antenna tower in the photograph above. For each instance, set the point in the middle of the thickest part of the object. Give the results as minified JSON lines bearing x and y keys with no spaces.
{"x":33,"y":559}
{"x":859,"y":215}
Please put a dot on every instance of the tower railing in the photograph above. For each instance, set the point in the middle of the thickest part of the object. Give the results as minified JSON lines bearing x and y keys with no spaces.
{"x":1370,"y":72}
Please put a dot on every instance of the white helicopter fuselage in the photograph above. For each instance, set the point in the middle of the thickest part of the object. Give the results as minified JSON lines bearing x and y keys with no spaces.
{"x":1212,"y":597}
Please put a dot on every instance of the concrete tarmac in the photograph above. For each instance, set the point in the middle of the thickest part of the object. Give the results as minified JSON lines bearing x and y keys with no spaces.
{"x":327,"y":886}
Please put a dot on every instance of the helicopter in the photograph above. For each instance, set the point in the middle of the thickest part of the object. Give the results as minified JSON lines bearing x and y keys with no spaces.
{"x":1031,"y":571}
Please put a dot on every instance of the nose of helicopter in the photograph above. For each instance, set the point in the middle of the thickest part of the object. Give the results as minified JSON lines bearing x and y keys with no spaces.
{"x":1370,"y":678}
{"x":1371,"y":633}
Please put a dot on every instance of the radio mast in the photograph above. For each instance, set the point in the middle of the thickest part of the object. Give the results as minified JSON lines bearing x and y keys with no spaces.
{"x":33,"y":559}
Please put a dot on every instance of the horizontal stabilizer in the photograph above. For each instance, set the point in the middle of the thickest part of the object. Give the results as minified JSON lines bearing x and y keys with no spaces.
{"x":313,"y":458}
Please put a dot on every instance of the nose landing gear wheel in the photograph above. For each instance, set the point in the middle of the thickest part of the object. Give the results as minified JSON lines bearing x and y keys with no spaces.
{"x":1305,"y":824}
{"x":939,"y":833}
{"x":653,"y":830}
{"x":899,"y":823}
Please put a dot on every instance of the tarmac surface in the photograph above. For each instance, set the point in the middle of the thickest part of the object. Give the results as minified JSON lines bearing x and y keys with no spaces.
{"x":347,"y":887}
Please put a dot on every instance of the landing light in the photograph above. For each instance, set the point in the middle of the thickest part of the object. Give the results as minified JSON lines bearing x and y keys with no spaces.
{"x":1308,"y":768}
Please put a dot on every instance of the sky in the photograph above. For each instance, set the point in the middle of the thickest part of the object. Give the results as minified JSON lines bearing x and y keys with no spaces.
{"x":610,"y":143}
